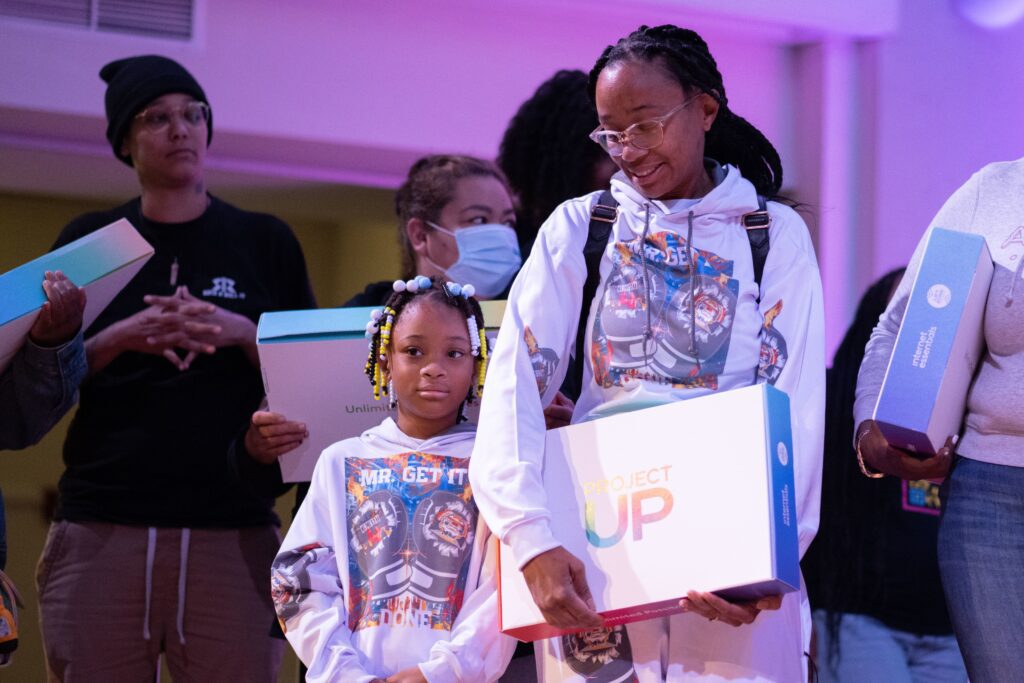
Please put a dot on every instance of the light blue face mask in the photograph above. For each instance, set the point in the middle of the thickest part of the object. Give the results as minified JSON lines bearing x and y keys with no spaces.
{"x":488,"y":257}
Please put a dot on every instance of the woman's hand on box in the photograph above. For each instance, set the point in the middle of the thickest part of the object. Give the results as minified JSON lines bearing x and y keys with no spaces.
{"x":714,"y":608}
{"x":271,"y":435}
{"x":559,"y":412}
{"x":558,"y":584}
{"x":61,"y":316}
{"x":410,"y":675}
{"x":881,"y":457}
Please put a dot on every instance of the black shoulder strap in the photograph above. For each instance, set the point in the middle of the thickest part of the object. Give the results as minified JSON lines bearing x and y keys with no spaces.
{"x":756,"y":223}
{"x":602,"y":217}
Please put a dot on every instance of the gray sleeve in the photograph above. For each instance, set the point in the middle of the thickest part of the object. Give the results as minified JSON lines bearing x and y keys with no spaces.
{"x":956,"y":214}
{"x":37,"y":389}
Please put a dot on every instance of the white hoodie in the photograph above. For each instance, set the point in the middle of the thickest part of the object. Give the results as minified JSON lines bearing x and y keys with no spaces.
{"x":387,"y":564}
{"x":737,"y":342}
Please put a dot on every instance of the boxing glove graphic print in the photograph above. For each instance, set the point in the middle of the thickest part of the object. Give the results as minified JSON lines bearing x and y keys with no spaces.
{"x":666,"y":314}
{"x":411,"y":524}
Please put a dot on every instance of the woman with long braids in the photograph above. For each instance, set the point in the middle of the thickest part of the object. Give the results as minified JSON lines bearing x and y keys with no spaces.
{"x":545,"y":153}
{"x":686,"y":304}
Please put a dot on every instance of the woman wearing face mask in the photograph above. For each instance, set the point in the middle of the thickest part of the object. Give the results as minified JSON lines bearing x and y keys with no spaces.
{"x":456,"y":222}
{"x":680,"y":311}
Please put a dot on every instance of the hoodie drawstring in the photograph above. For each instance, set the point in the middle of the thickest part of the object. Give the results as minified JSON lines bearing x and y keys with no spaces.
{"x":150,"y":555}
{"x":693,"y":289}
{"x":1013,"y":283}
{"x":649,"y":331}
{"x":186,"y":535}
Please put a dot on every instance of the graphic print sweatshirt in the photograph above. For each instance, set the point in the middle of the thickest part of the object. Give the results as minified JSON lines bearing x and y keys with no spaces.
{"x":677,"y":315}
{"x":388,"y":565}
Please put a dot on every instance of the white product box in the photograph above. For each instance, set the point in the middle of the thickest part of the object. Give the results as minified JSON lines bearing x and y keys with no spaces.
{"x":629,"y":494}
{"x":939,"y":344}
{"x":101,"y":263}
{"x":312,"y":365}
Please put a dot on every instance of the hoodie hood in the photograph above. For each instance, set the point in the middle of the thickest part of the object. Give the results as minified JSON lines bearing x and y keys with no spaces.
{"x":388,"y":437}
{"x":732,"y":196}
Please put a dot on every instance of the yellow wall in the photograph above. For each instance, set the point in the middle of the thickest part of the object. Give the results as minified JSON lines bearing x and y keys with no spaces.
{"x":347,"y":235}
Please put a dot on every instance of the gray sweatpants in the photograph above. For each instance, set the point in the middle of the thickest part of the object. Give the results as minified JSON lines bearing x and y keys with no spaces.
{"x":113,"y":597}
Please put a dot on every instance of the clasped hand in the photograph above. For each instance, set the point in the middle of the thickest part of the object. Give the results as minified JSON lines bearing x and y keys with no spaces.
{"x":182,"y":323}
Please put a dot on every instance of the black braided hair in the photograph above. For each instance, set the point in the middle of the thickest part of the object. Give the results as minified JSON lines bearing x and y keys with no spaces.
{"x":397,"y":303}
{"x":429,"y":187}
{"x":685,"y":56}
{"x":545,"y":152}
{"x":843,"y":567}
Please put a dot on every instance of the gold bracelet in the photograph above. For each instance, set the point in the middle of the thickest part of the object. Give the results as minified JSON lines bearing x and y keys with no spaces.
{"x":870,"y":474}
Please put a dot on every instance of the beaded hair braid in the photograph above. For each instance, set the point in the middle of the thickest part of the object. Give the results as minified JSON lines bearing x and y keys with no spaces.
{"x":685,"y":56}
{"x":382,"y":321}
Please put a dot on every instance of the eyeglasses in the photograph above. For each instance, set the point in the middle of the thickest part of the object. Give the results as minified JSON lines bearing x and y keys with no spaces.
{"x":641,"y":135}
{"x":156,"y":119}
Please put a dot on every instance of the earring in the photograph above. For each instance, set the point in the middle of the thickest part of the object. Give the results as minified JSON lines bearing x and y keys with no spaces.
{"x":392,"y":399}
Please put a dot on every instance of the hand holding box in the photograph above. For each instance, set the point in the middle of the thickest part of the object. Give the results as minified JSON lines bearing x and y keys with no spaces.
{"x":101,"y":263}
{"x":938,"y":346}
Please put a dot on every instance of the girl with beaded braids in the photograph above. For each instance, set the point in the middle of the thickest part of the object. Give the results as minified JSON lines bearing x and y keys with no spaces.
{"x":387,"y":572}
{"x":678,"y":311}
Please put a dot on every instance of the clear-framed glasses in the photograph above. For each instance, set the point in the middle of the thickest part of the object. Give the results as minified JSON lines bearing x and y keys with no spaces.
{"x":646,"y":134}
{"x":156,"y":119}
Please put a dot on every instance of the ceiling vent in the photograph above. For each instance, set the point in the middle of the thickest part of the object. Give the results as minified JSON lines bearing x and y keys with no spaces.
{"x":154,"y":18}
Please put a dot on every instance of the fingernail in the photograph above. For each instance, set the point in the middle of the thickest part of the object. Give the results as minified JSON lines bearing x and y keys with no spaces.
{"x":684,"y":605}
{"x":956,"y":438}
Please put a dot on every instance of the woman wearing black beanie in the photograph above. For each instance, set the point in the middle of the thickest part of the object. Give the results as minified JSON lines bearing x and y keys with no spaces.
{"x":158,"y":535}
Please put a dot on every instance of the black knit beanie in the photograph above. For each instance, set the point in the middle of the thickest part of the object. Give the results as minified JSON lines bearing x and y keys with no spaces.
{"x":134,"y":82}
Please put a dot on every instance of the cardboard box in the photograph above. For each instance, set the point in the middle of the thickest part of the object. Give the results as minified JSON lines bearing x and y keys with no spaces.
{"x":938,"y":346}
{"x":312,"y":364}
{"x":694,"y":495}
{"x":101,"y":263}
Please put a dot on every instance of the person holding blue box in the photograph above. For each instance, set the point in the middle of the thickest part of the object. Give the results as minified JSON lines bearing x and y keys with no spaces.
{"x":981,"y":532}
{"x":36,"y":390}
{"x":158,"y":537}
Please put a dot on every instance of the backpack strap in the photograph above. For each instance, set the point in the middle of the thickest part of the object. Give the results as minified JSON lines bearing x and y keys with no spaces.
{"x":602,"y":217}
{"x":756,"y":223}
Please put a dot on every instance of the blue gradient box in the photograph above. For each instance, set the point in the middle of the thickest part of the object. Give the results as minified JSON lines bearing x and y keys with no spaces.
{"x":101,"y":263}
{"x":938,"y":346}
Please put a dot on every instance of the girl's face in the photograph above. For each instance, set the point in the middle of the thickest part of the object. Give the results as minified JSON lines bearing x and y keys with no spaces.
{"x":430,"y":365}
{"x":633,"y":91}
{"x":478,"y":200}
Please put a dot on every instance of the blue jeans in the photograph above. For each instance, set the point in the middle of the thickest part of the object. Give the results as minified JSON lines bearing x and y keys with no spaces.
{"x":981,"y":560}
{"x":871,"y":651}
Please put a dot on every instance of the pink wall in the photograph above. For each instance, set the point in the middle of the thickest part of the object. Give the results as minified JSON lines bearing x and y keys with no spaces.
{"x":950,"y":99}
{"x":880,"y":108}
{"x":408,"y":75}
